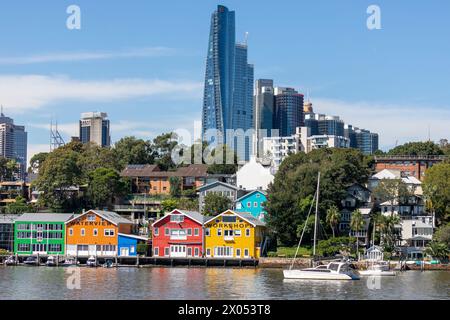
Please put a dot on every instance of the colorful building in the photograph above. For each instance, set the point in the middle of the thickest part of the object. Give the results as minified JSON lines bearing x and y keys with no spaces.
{"x":179,"y":234}
{"x":95,"y":233}
{"x":40,"y":233}
{"x":234,"y":235}
{"x":253,"y":203}
{"x":128,"y":244}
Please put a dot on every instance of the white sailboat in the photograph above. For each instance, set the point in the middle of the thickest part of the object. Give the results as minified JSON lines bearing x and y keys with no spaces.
{"x":331,"y":271}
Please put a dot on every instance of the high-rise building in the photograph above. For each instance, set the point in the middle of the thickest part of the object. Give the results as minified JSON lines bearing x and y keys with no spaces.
{"x":321,"y":124}
{"x":95,"y":127}
{"x":288,"y":113}
{"x":13,"y":143}
{"x":263,"y":111}
{"x":228,"y":91}
{"x":364,"y":140}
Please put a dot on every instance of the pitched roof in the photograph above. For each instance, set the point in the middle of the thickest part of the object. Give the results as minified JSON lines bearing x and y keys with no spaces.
{"x":44,"y":217}
{"x":192,"y":170}
{"x":250,"y":193}
{"x":194,"y":215}
{"x":133,"y":236}
{"x":244,"y":215}
{"x":112,"y":217}
{"x":212,"y":184}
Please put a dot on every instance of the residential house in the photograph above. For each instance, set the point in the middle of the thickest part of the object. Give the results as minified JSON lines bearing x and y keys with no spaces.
{"x":414,"y":185}
{"x":234,"y":235}
{"x":95,"y":233}
{"x":227,"y":190}
{"x":253,"y":203}
{"x":178,"y":234}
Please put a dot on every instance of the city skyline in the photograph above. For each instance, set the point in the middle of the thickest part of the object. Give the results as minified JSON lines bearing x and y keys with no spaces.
{"x":371,"y":79}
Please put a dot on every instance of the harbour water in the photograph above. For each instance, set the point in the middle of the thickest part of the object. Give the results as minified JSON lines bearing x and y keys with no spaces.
{"x":23,"y":282}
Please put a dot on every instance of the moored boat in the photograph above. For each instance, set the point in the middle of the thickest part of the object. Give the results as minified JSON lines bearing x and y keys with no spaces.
{"x":91,"y":262}
{"x":51,"y":262}
{"x":69,"y":262}
{"x":10,"y":261}
{"x":31,"y":261}
{"x":331,"y":271}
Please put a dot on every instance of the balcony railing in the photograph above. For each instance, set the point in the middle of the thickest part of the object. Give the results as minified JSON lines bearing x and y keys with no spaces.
{"x":178,"y":237}
{"x":228,"y":238}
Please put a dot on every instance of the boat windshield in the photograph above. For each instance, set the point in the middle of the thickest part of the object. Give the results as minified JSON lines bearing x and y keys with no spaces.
{"x":333,"y":266}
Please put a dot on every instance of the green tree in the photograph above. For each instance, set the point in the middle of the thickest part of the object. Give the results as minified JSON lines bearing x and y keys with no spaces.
{"x":357,"y":224}
{"x":443,"y":234}
{"x":104,"y":185}
{"x":175,"y":186}
{"x":436,"y":187}
{"x":130,"y":150}
{"x":333,"y":218}
{"x":163,"y":146}
{"x":296,"y":180}
{"x":388,"y":233}
{"x":334,"y":246}
{"x":223,"y":159}
{"x":215,"y":204}
{"x":19,"y":207}
{"x":8,"y":168}
{"x":169,"y":205}
{"x":392,"y":190}
{"x":417,"y":149}
{"x":438,"y":250}
{"x":36,"y":161}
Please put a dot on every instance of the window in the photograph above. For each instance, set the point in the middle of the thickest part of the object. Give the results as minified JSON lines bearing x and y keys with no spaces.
{"x":83,"y":232}
{"x":208,"y":252}
{"x":91,"y":217}
{"x":196,"y":252}
{"x":237,"y":233}
{"x":246,"y":254}
{"x":247,"y":232}
{"x":156,"y":232}
{"x":228,"y":233}
{"x":109,"y":248}
{"x":109,"y":232}
{"x":228,"y":219}
{"x":156,"y":251}
{"x":196,"y":232}
{"x":249,"y":204}
{"x":82,"y":247}
{"x":95,"y":232}
{"x":24,"y":247}
{"x":219,"y":232}
{"x":70,"y":232}
{"x":238,"y":252}
{"x":207,"y":232}
{"x":189,"y":232}
{"x":258,"y":195}
{"x":166,"y":231}
{"x":189,"y":252}
{"x":132,"y":249}
{"x":178,"y":218}
{"x":255,"y":204}
{"x":166,"y":251}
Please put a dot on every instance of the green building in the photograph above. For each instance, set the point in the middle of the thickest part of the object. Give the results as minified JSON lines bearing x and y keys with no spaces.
{"x":40,"y":233}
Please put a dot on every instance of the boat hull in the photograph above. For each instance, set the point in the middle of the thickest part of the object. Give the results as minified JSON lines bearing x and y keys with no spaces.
{"x":317,"y":275}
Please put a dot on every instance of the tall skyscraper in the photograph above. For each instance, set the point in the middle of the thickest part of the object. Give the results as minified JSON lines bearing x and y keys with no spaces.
{"x":263,"y":111}
{"x":95,"y":127}
{"x":13,"y":143}
{"x":228,"y":91}
{"x":288,"y":113}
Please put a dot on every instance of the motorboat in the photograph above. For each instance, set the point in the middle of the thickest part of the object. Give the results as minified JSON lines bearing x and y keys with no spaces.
{"x":31,"y":261}
{"x":108,"y":263}
{"x":10,"y":261}
{"x":51,"y":262}
{"x":331,"y":271}
{"x":378,"y":269}
{"x":91,"y":262}
{"x":69,"y":262}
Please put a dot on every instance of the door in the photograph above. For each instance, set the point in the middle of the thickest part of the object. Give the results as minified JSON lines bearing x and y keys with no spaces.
{"x":124,"y":251}
{"x":178,"y":251}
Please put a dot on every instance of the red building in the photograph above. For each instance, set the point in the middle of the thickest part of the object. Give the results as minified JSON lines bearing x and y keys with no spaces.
{"x":179,"y":234}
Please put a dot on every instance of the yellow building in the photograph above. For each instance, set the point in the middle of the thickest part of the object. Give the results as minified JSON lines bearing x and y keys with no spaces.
{"x":234,"y":235}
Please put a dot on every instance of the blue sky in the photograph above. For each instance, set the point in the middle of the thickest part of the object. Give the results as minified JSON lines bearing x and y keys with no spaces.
{"x":143,"y":62}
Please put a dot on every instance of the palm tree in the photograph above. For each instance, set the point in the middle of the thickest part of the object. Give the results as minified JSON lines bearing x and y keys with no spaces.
{"x":333,"y":217}
{"x":356,"y":224}
{"x":437,"y":250}
{"x":388,"y":235}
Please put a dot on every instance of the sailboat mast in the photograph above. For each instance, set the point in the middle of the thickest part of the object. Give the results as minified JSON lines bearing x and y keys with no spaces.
{"x":317,"y":216}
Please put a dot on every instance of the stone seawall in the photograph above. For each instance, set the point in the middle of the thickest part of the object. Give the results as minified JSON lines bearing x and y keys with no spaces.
{"x":283,"y":262}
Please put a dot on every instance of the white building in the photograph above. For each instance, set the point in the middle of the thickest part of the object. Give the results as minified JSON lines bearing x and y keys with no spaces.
{"x":254,"y":176}
{"x":95,"y":127}
{"x":278,"y":148}
{"x":413,"y":183}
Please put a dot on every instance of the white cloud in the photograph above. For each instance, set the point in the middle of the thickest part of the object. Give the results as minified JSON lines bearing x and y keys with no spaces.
{"x":22,"y":93}
{"x":36,"y":148}
{"x":85,"y":56}
{"x":393,"y":122}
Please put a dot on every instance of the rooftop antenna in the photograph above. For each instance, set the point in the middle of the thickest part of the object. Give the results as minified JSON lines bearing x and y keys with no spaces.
{"x":246,"y":38}
{"x":56,"y":140}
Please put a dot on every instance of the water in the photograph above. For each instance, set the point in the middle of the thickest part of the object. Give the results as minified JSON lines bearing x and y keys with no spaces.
{"x":210,"y":283}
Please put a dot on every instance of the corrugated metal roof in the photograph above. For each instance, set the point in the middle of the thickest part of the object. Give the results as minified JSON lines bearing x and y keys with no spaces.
{"x":7,"y":218}
{"x":251,"y":219}
{"x":44,"y":217}
{"x":112,"y":216}
{"x":212,"y":184}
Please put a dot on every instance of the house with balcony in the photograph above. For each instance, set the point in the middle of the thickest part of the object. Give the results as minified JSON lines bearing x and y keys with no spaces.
{"x":178,"y":234}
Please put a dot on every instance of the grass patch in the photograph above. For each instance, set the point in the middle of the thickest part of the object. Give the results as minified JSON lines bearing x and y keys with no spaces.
{"x":289,"y":252}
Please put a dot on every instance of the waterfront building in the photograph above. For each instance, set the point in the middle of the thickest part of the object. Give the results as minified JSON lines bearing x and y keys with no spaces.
{"x":178,"y":234}
{"x":40,"y":233}
{"x":7,"y":232}
{"x":234,"y":235}
{"x":253,"y":203}
{"x":408,"y":165}
{"x":95,"y":127}
{"x":263,"y":112}
{"x":288,"y":113}
{"x":227,"y":190}
{"x":128,"y":244}
{"x":149,"y":179}
{"x":13,"y":143}
{"x":326,"y":141}
{"x":254,"y":175}
{"x":95,"y":233}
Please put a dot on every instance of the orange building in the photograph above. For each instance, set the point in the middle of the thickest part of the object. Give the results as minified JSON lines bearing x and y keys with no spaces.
{"x":95,"y":233}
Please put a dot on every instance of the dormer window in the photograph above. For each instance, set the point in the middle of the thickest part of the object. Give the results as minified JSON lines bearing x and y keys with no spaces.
{"x":177,"y":218}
